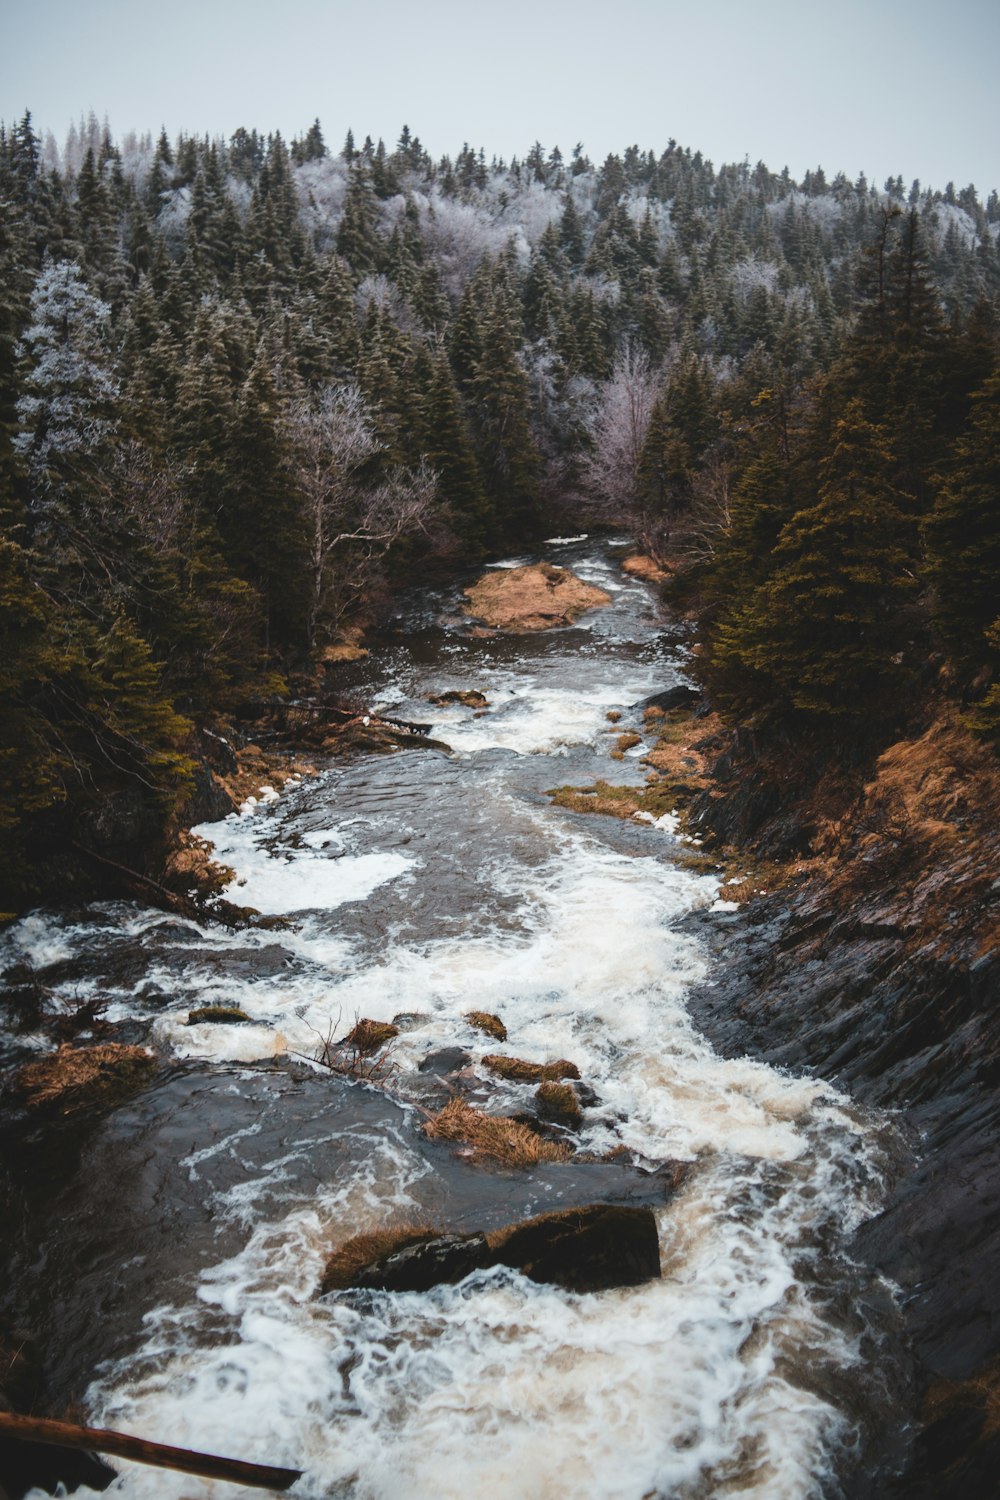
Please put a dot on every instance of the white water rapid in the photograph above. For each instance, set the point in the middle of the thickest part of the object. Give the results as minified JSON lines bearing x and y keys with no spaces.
{"x":429,"y":885}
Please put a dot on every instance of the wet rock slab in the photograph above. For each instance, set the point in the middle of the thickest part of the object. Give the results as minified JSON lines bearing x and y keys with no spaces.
{"x":168,"y":1184}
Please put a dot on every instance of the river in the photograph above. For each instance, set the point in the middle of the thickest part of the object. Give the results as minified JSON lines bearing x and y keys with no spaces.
{"x":177,"y":1282}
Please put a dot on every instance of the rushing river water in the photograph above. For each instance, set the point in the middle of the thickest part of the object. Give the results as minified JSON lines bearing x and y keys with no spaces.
{"x":188,"y":1246}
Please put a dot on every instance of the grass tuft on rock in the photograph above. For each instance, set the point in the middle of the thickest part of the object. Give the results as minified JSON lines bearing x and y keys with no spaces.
{"x":558,"y":1102}
{"x":368,"y":1036}
{"x":518,"y":1070}
{"x":493,"y":1137}
{"x":230,"y":1015}
{"x":343,"y":1266}
{"x":484,"y":1020}
{"x":79,"y":1078}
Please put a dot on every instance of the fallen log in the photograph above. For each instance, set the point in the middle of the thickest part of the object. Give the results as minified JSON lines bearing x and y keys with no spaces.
{"x":143,"y":1451}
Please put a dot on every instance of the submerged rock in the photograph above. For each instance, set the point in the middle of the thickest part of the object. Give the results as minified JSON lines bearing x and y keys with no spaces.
{"x":588,"y":1249}
{"x":538,"y":597}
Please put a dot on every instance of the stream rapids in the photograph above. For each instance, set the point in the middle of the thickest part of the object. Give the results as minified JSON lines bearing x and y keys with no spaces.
{"x":174,"y":1270}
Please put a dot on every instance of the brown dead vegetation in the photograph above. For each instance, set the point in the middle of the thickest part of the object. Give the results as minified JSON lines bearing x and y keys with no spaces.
{"x":368,"y":1036}
{"x":518,"y":1070}
{"x":558,"y":1102}
{"x":78,"y":1078}
{"x":361,"y":1250}
{"x":646,"y":568}
{"x":484,"y":1020}
{"x":538,"y":597}
{"x":493,"y":1137}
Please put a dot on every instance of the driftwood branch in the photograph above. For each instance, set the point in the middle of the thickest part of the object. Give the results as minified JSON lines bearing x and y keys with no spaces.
{"x":142,"y":1451}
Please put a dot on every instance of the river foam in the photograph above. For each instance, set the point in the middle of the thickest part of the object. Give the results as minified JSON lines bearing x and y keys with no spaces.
{"x":430,"y":886}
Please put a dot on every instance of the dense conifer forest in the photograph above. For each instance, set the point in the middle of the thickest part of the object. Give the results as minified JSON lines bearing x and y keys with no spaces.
{"x":249,"y":387}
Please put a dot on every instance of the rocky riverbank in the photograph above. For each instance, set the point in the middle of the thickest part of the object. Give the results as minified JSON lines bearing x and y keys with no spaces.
{"x":877,"y":965}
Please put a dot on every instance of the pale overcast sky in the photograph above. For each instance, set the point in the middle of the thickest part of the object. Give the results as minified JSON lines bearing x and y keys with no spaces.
{"x":880,"y":86}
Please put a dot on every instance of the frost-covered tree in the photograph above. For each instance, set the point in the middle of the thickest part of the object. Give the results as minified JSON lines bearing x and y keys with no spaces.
{"x":617,"y":433}
{"x":69,"y":408}
{"x":333,"y":438}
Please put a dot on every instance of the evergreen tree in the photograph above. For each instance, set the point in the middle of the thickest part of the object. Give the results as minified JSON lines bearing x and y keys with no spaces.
{"x":449,"y":452}
{"x":820,"y":638}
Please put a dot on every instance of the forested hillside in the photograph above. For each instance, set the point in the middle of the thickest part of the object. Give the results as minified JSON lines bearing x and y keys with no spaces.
{"x":247,"y":387}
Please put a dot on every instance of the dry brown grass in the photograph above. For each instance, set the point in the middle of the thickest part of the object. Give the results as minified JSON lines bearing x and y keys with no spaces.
{"x":518,"y":1070}
{"x":628,"y":740}
{"x":613,"y":801}
{"x":361,"y":1250}
{"x":558,"y":1102}
{"x":368,"y":1036}
{"x":493,"y":1137}
{"x":484,"y":1020}
{"x":536,"y":597}
{"x":76,"y":1078}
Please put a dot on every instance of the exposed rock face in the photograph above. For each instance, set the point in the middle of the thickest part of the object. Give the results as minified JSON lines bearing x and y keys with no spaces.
{"x":538,"y":597}
{"x":582,"y":1249}
{"x":896,"y":926}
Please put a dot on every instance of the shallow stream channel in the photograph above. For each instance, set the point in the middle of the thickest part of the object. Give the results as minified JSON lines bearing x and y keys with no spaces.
{"x":173,"y":1269}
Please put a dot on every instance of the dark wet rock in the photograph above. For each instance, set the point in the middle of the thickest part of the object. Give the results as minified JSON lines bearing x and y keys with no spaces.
{"x":441,"y":1261}
{"x":210,"y":800}
{"x":410,"y":1020}
{"x":41,"y":1466}
{"x":445,"y":1060}
{"x":904,"y":1016}
{"x":681,"y":696}
{"x":588,"y":1249}
{"x":583,"y":1249}
{"x":130,"y":1183}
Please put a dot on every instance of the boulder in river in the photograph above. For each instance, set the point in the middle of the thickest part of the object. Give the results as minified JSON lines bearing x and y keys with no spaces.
{"x":588,"y":1249}
{"x":538,"y":597}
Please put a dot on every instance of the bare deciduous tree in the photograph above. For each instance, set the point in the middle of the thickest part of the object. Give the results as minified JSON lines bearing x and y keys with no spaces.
{"x":618,"y":431}
{"x":334,"y":439}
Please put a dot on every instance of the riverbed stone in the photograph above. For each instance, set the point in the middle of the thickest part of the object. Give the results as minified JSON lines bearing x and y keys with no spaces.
{"x":589,"y":1249}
